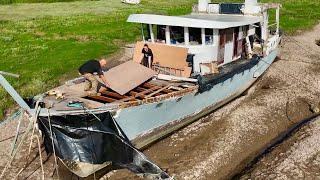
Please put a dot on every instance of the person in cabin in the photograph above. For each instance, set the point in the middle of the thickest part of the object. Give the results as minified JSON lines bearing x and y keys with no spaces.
{"x":92,"y":85}
{"x":147,"y":56}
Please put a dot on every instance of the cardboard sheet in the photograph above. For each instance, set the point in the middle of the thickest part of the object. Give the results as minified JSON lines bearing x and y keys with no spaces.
{"x":168,"y":56}
{"x":127,"y":76}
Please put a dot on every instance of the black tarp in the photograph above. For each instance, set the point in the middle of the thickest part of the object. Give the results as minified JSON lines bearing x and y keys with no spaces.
{"x":95,"y":139}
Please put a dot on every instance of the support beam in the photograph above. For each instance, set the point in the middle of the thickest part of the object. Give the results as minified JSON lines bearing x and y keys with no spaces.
{"x":13,"y":93}
{"x":186,"y":36}
{"x":278,"y":18}
{"x":156,"y":92}
{"x":151,"y":33}
{"x":103,"y":98}
{"x":142,"y":33}
{"x":168,"y":35}
{"x":203,"y":36}
{"x":114,"y":95}
{"x":215,"y":37}
{"x":149,"y":85}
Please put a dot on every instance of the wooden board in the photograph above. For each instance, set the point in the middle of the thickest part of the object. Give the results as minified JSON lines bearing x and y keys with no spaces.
{"x":128,"y":76}
{"x":165,"y":55}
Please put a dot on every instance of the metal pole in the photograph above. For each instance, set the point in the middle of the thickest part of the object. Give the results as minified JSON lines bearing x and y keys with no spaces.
{"x":6,"y":85}
{"x":142,"y":32}
{"x":9,"y":74}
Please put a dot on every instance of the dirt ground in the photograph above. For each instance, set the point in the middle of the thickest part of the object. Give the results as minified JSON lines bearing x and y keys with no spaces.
{"x":220,"y":145}
{"x":296,"y":158}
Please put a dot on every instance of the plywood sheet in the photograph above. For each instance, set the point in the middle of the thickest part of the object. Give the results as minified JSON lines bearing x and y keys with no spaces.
{"x":127,"y":76}
{"x":168,"y":56}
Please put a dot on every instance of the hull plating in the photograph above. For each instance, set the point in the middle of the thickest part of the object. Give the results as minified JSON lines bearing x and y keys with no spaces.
{"x":142,"y":120}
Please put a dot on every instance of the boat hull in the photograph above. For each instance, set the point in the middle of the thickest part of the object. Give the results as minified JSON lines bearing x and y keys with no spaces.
{"x":147,"y":123}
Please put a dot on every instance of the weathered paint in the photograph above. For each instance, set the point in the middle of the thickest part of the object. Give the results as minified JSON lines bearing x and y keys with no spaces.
{"x":143,"y":119}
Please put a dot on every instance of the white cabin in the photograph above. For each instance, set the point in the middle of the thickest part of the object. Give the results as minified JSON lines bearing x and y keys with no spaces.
{"x":214,"y":33}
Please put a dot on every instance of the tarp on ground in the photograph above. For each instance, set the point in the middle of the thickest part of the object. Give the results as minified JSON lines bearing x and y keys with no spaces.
{"x":94,"y":139}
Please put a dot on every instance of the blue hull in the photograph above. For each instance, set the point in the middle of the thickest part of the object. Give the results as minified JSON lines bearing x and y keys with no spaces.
{"x":166,"y":116}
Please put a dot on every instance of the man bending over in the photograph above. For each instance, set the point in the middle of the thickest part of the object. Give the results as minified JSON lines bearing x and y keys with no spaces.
{"x":87,"y":70}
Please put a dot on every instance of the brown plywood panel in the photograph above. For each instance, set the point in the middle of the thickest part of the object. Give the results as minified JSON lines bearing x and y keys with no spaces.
{"x":128,"y":76}
{"x":165,"y":55}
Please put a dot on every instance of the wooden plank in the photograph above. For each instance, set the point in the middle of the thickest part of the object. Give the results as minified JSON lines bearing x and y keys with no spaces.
{"x":152,"y":85}
{"x":113,"y":94}
{"x":141,"y":94}
{"x":127,"y":76}
{"x":102,"y":98}
{"x":140,"y":89}
{"x":168,"y":56}
{"x":175,"y":78}
{"x":165,"y":87}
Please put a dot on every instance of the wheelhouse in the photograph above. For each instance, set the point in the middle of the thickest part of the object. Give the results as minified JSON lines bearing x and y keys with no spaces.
{"x":213,"y":33}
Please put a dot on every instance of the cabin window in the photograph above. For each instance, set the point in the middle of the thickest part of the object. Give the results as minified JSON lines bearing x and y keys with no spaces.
{"x":195,"y":36}
{"x":177,"y":35}
{"x":160,"y":34}
{"x":209,"y":36}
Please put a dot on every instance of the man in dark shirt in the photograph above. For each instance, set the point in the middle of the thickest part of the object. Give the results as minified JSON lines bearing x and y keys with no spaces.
{"x":147,"y":56}
{"x":88,"y":69}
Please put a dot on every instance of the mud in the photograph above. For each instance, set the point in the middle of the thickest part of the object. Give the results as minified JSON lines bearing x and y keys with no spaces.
{"x":222,"y":144}
{"x":296,"y":158}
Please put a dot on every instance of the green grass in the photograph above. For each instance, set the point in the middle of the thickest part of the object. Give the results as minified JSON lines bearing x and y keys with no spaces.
{"x":46,"y":42}
{"x":35,"y":1}
{"x":45,"y":46}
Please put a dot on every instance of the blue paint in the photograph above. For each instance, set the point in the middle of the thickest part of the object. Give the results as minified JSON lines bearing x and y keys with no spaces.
{"x":142,"y":119}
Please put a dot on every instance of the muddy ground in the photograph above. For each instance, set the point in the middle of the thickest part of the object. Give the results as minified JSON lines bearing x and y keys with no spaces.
{"x":220,"y":145}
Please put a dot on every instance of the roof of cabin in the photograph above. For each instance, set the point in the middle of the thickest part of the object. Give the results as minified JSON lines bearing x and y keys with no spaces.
{"x":215,"y":21}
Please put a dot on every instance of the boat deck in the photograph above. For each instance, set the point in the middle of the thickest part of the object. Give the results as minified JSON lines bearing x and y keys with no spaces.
{"x":150,"y":91}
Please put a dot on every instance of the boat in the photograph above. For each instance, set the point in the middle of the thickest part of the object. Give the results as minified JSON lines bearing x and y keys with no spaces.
{"x":201,"y":62}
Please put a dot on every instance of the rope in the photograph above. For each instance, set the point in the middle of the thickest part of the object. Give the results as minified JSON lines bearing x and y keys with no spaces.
{"x":17,"y":134}
{"x":53,"y":147}
{"x":20,"y":144}
{"x":11,"y":118}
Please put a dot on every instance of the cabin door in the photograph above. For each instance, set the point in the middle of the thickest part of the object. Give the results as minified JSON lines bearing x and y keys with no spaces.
{"x":222,"y":42}
{"x":236,"y":42}
{"x":229,"y":45}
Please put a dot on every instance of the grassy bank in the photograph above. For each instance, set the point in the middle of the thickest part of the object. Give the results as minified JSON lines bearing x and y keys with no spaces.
{"x":45,"y":46}
{"x":37,"y":1}
{"x":44,"y":42}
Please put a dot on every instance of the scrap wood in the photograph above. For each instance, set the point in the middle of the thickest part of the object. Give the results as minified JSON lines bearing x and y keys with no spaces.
{"x":175,"y":78}
{"x":127,"y":76}
{"x":168,"y":56}
{"x":141,"y":94}
{"x":156,"y":92}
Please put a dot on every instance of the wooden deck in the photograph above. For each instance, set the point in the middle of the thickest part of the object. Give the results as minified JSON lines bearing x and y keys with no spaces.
{"x":144,"y":91}
{"x":147,"y":92}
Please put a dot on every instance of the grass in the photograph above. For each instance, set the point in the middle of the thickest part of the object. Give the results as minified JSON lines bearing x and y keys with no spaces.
{"x":35,"y":1}
{"x":45,"y":42}
{"x":44,"y":47}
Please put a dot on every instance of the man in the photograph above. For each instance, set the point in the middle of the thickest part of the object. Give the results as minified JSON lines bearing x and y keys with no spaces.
{"x":147,"y":56}
{"x":88,"y":69}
